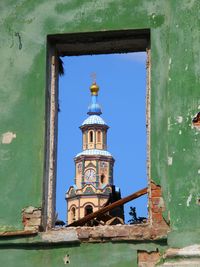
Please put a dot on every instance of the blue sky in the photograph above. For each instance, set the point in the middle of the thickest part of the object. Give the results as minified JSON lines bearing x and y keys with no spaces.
{"x":122,"y":82}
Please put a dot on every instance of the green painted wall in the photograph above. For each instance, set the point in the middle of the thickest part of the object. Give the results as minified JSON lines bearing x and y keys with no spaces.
{"x":175,"y":83}
{"x":98,"y":255}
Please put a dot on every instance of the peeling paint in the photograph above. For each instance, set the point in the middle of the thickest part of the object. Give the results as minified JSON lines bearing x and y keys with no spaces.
{"x":170,"y":61}
{"x":193,"y":250}
{"x":19,"y":39}
{"x":59,"y":235}
{"x":7,"y":138}
{"x":179,"y":119}
{"x":168,"y":123}
{"x":196,"y":127}
{"x":31,"y":218}
{"x":189,"y":200}
{"x":196,"y":121}
{"x":170,"y":160}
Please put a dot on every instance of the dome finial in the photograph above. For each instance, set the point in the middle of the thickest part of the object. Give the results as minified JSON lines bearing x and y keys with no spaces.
{"x":94,"y":108}
{"x":94,"y":88}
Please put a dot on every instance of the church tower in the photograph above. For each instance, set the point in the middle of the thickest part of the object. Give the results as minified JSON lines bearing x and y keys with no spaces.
{"x":93,"y":182}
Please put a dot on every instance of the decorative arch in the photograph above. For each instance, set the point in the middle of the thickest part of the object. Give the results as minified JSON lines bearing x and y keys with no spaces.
{"x":73,"y":213}
{"x":88,"y":209}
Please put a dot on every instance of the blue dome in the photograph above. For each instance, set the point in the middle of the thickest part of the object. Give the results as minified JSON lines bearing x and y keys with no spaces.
{"x":94,"y":119}
{"x":94,"y":152}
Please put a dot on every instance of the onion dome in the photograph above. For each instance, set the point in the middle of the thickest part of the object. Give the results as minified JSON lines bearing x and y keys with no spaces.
{"x":94,"y":107}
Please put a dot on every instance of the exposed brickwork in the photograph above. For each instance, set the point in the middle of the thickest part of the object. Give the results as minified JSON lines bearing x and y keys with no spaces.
{"x":156,"y":203}
{"x":155,"y":229}
{"x":31,"y":218}
{"x":148,"y":259}
{"x":122,"y":232}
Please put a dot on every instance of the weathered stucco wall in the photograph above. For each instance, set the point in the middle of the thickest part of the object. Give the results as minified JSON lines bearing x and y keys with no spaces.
{"x":85,"y":255}
{"x":175,"y":83}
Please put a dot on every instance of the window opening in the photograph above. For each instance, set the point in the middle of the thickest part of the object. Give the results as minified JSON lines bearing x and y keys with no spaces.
{"x":91,"y":136}
{"x":88,"y":210}
{"x":127,"y":133}
{"x":73,"y":214}
{"x":124,"y":126}
{"x":102,"y":178}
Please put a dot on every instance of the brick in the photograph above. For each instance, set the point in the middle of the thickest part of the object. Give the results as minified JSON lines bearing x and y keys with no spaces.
{"x":148,"y":259}
{"x":156,"y":209}
{"x":31,"y":218}
{"x":155,"y":200}
{"x":83,"y":234}
{"x":156,"y":193}
{"x":154,"y":186}
{"x":157,"y":217}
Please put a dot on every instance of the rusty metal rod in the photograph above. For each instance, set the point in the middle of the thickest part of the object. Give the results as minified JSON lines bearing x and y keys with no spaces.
{"x":105,"y":209}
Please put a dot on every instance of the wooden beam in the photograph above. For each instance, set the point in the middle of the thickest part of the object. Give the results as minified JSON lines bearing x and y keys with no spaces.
{"x":105,"y":209}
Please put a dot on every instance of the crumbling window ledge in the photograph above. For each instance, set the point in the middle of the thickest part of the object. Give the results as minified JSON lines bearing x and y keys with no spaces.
{"x":142,"y":232}
{"x":138,"y":232}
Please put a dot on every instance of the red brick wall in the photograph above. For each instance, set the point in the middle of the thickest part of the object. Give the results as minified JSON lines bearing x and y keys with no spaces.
{"x":148,"y":259}
{"x":156,"y":204}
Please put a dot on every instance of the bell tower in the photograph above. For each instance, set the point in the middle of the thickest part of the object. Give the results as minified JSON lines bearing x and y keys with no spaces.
{"x":93,"y":180}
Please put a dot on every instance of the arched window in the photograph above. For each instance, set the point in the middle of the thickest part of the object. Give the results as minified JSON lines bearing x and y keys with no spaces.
{"x":99,"y":136}
{"x":73,"y":214}
{"x":91,"y":136}
{"x":102,"y":178}
{"x":88,"y":210}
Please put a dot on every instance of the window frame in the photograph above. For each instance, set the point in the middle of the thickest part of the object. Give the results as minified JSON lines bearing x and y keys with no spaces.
{"x":89,"y":43}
